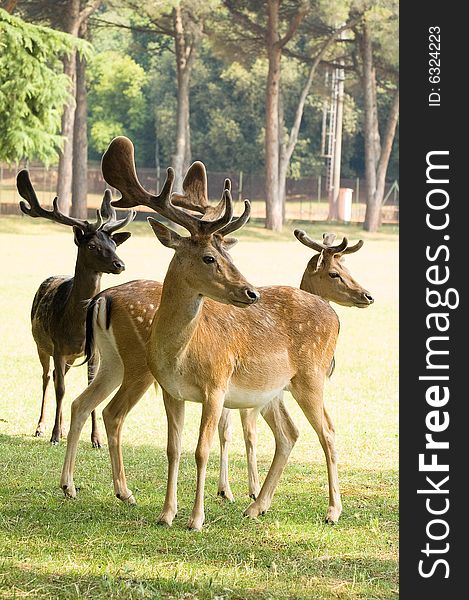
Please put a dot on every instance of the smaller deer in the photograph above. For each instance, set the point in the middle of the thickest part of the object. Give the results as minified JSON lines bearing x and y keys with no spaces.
{"x":327,"y":277}
{"x":58,"y":312}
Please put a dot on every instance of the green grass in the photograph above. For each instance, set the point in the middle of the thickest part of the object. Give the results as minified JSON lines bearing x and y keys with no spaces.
{"x":95,"y":547}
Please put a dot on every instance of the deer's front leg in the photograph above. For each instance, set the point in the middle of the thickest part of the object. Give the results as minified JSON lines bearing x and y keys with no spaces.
{"x":175,"y":416}
{"x":114,"y":415}
{"x":59,"y":384}
{"x":225,"y":433}
{"x":211,"y":413}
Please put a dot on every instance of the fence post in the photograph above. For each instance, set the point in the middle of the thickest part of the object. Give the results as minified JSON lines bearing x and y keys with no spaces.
{"x":240,"y":185}
{"x":319,"y":188}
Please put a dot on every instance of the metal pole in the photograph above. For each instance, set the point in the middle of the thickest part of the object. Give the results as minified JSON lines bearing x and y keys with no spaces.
{"x":338,"y":140}
{"x":240,"y":185}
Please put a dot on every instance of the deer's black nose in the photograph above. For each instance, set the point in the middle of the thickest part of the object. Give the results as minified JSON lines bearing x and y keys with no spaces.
{"x":253,"y":295}
{"x":369,"y":297}
{"x":118,"y":265}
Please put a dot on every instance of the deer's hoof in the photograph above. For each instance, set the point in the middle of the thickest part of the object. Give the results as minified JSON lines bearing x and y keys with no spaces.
{"x":196,"y":523}
{"x":226,"y":495}
{"x":255,"y":510}
{"x":69,"y":491}
{"x":166,"y":518}
{"x":333,"y":514}
{"x":127,"y":498}
{"x":96,"y":443}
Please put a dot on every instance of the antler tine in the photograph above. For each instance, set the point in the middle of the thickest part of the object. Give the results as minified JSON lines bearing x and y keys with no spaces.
{"x":59,"y":217}
{"x":26,"y":190}
{"x":108,"y":212}
{"x":304,"y":238}
{"x":238,"y":222}
{"x":340,"y":247}
{"x":354,"y":248}
{"x":118,"y":168}
{"x":195,"y":189}
{"x":112,"y":226}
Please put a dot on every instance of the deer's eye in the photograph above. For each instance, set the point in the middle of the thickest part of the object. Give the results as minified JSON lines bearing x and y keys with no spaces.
{"x":92,"y":246}
{"x":208,"y":260}
{"x":334,"y":275}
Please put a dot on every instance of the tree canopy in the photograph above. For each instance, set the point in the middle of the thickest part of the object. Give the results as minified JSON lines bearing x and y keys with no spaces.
{"x":33,"y":88}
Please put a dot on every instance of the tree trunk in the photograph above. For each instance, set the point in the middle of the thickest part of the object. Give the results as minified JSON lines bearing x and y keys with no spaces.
{"x":274,"y":211}
{"x":373,"y":207}
{"x":370,"y":127}
{"x":376,"y":155}
{"x":80,"y":144}
{"x":65,"y":172}
{"x":185,"y":54}
{"x":9,"y":6}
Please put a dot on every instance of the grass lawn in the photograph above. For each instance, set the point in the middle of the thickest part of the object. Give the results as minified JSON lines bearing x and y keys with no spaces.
{"x":95,"y":547}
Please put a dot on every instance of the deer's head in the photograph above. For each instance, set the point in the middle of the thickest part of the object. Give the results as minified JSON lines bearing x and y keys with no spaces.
{"x":97,"y":242}
{"x":326,"y":275}
{"x":202,"y":257}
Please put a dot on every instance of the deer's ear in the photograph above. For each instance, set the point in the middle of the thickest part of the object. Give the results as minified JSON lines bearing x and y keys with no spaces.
{"x":78,"y":235}
{"x":167,"y":237}
{"x":121,"y":237}
{"x":229,"y":242}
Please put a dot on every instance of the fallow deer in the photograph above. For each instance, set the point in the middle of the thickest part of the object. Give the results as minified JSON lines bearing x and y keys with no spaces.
{"x":59,"y":307}
{"x":327,"y":277}
{"x":203,"y":352}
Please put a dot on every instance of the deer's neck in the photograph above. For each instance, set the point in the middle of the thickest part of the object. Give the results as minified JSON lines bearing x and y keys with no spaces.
{"x":86,"y":284}
{"x":178,"y":316}
{"x":307,"y":285}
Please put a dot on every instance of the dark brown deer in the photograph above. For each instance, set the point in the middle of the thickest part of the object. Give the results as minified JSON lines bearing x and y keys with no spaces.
{"x":58,"y":312}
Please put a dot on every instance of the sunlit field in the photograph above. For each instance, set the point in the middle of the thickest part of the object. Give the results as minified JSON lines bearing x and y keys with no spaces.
{"x":96,"y":547}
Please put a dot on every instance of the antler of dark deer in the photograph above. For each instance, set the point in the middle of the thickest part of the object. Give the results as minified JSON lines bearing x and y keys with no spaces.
{"x":26,"y":190}
{"x":109,"y":214}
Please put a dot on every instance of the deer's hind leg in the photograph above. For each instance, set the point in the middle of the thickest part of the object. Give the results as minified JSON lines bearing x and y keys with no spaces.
{"x":108,"y":377}
{"x":95,"y":437}
{"x":114,"y":414}
{"x":44,"y":357}
{"x":309,"y":395}
{"x":285,"y":433}
{"x":60,"y":369}
{"x":225,"y":433}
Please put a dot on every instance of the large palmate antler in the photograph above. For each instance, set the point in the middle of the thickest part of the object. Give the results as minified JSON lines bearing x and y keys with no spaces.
{"x":118,"y":166}
{"x":106,"y":216}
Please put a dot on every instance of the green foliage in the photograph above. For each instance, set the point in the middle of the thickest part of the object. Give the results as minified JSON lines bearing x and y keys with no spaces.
{"x":116,"y":99}
{"x":33,"y":88}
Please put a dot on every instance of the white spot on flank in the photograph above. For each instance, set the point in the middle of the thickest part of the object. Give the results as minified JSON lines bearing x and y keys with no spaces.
{"x":316,"y":328}
{"x":140,"y":319}
{"x":131,"y":306}
{"x":144,"y":310}
{"x":152,"y":306}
